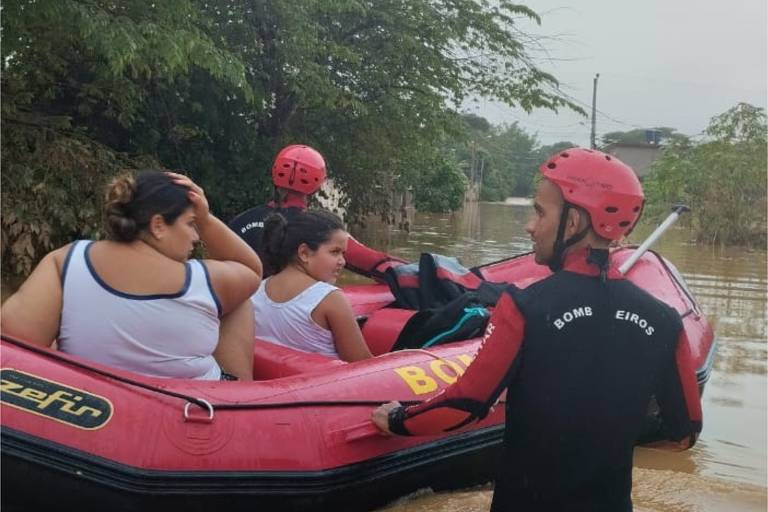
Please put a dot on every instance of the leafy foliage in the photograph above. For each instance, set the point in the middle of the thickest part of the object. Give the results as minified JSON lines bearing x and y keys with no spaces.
{"x":504,"y":159}
{"x":640,"y":136}
{"x":722,"y":179}
{"x":214,"y":88}
{"x":52,"y":187}
{"x":78,"y":80}
{"x":441,"y":187}
{"x":512,"y":163}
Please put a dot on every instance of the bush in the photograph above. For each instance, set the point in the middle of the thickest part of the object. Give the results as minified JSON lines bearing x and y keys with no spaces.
{"x":52,"y":187}
{"x":440,"y":188}
{"x":722,"y":179}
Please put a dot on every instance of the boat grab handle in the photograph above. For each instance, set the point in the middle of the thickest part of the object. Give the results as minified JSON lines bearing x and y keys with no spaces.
{"x":357,"y":432}
{"x":199,"y":419}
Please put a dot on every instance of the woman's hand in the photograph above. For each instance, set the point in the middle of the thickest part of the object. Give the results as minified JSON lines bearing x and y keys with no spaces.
{"x":196,"y":196}
{"x":380,"y":416}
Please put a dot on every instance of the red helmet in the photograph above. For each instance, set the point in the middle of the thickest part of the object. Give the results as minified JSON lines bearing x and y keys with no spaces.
{"x":600,"y":183}
{"x":300,"y":168}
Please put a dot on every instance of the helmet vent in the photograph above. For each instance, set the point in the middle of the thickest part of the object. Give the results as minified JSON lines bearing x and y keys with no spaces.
{"x":611,"y":209}
{"x":624,"y":223}
{"x":302,"y":169}
{"x":551,"y":165}
{"x":281,"y":174}
{"x":607,"y":157}
{"x":564,"y":155}
{"x":636,"y":209}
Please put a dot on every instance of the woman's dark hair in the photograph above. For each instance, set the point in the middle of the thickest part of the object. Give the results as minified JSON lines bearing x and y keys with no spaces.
{"x":282,"y":238}
{"x":131,"y":202}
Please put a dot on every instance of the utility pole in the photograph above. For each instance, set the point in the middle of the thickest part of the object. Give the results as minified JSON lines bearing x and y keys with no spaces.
{"x":473,"y":162}
{"x":592,"y":142}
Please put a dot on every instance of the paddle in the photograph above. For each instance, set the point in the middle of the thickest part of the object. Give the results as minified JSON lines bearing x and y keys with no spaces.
{"x":677,"y":211}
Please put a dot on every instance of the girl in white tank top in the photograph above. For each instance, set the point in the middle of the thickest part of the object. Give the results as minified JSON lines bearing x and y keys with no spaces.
{"x":299,"y":307}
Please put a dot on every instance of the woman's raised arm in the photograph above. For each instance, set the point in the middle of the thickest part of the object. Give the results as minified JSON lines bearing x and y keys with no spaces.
{"x":235,"y":269}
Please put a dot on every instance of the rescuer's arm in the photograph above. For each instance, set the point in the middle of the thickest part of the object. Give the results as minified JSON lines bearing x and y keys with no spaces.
{"x":473,"y":394}
{"x":367,"y":262}
{"x":677,"y":394}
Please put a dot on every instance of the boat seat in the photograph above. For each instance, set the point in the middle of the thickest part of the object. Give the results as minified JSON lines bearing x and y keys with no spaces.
{"x":271,"y":361}
{"x":382,"y":328}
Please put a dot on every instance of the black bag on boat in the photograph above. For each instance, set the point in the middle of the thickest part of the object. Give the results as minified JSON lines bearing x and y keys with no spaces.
{"x":450,"y":300}
{"x":460,"y":319}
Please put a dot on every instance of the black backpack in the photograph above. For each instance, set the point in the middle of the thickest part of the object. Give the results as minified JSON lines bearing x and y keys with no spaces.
{"x":451,"y":301}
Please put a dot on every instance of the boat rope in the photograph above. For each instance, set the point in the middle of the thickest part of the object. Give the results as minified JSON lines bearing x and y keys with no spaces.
{"x":204,"y":404}
{"x":477,"y":270}
{"x":673,"y":275}
{"x":680,"y":286}
{"x":53,"y":355}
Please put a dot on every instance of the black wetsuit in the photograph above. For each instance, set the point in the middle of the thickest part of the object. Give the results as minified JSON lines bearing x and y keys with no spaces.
{"x":581,"y":358}
{"x":249,"y":225}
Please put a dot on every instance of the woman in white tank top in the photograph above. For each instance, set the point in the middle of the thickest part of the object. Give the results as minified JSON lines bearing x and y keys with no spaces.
{"x":299,"y":307}
{"x":135,"y":301}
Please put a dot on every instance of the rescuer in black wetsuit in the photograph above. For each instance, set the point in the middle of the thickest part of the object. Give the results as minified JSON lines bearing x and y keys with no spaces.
{"x":298,"y":172}
{"x":580,"y":354}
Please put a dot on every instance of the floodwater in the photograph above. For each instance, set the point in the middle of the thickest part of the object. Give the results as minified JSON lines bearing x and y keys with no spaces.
{"x":726,"y":470}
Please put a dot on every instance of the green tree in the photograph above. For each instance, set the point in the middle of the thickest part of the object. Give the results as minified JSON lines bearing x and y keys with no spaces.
{"x":640,"y":136}
{"x":385,"y":79}
{"x":506,"y":158}
{"x":511,"y":152}
{"x":77,"y":76}
{"x":216,"y":87}
{"x":722,"y":179}
{"x":468,"y":145}
{"x":440,"y":188}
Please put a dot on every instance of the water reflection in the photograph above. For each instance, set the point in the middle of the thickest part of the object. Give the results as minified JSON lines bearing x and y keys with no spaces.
{"x":727,"y":468}
{"x":481,"y":233}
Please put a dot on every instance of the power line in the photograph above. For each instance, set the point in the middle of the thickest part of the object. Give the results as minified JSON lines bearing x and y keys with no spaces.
{"x":604,"y":114}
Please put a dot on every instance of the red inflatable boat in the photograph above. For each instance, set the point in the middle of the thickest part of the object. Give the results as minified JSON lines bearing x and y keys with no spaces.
{"x":79,"y":436}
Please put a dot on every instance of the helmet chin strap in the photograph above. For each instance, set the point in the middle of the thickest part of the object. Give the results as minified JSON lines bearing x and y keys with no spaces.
{"x":556,"y":262}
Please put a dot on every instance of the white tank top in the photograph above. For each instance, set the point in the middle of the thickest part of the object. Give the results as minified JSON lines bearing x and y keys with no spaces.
{"x":164,"y":335}
{"x":290,"y":323}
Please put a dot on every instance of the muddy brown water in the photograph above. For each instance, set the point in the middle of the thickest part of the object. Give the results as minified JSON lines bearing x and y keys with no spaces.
{"x":726,"y":470}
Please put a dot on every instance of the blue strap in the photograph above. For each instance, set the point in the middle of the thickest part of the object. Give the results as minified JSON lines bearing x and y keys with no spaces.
{"x":468,"y":313}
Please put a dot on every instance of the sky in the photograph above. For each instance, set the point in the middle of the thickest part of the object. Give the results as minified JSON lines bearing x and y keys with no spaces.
{"x":674,"y":63}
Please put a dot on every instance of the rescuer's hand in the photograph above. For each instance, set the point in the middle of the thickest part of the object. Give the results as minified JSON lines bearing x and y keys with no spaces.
{"x":380,"y":416}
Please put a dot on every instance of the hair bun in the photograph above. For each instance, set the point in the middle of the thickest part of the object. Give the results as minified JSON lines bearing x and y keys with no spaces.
{"x":275,"y":228}
{"x":120,"y":193}
{"x":121,"y":189}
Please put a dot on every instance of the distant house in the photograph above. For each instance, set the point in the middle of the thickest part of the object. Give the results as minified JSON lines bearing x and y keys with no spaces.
{"x":638,"y":156}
